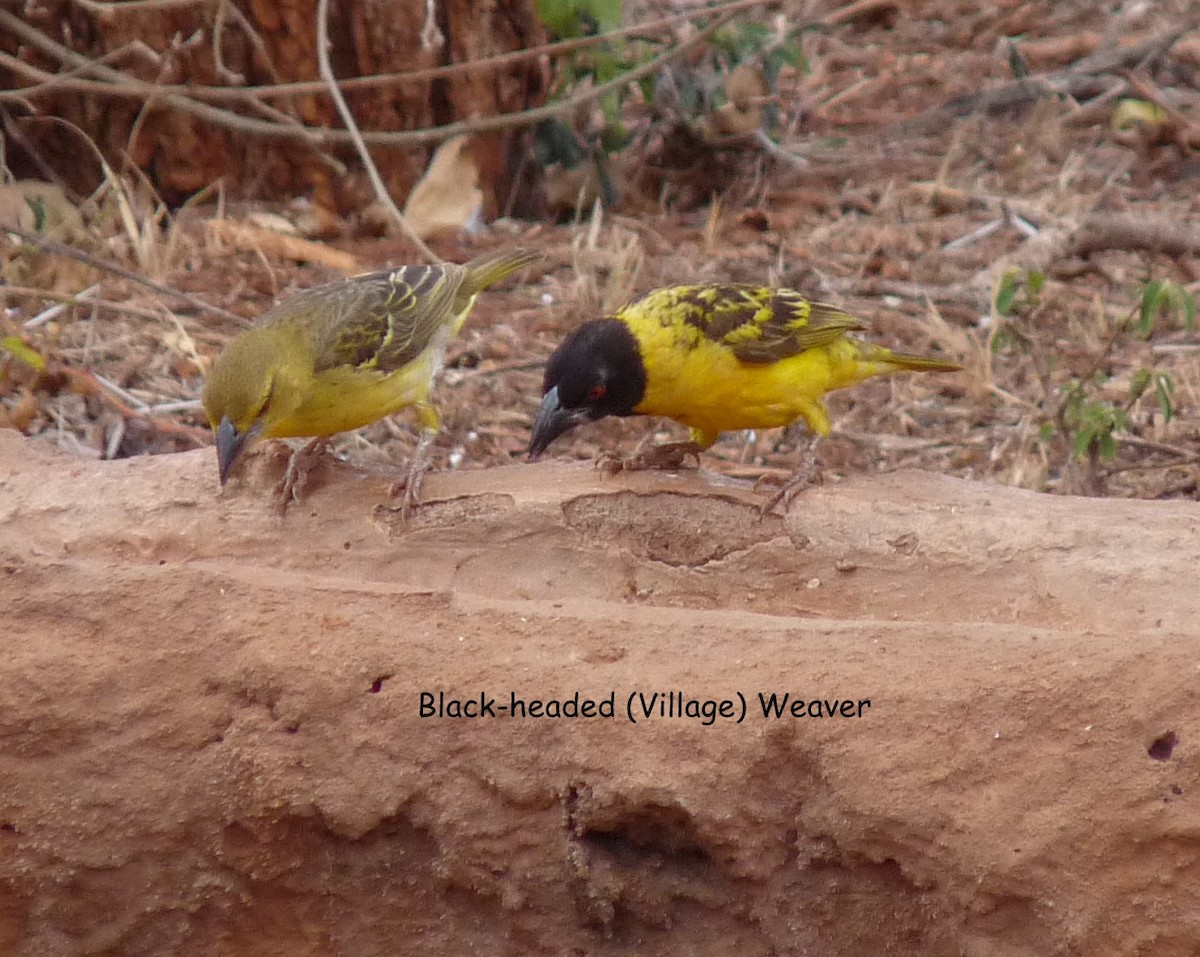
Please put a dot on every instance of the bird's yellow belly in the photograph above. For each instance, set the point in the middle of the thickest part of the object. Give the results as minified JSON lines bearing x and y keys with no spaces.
{"x":343,"y":399}
{"x":708,"y":389}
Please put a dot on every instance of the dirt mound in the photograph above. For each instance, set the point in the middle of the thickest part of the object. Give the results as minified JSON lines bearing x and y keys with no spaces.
{"x":214,"y":741}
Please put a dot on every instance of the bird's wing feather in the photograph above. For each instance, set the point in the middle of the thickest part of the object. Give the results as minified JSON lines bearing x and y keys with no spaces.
{"x":384,"y":320}
{"x":762,"y":325}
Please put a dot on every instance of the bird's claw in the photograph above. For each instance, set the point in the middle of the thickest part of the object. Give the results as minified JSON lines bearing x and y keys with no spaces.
{"x":408,"y":490}
{"x":301,"y":464}
{"x":807,"y":474}
{"x":610,"y":463}
{"x":669,"y":457}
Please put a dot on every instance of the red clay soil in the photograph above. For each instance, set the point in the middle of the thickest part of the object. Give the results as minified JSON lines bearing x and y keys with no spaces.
{"x":213,"y":741}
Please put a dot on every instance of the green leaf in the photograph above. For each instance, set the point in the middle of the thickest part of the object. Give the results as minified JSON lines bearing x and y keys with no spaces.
{"x":1164,"y":298}
{"x":607,"y":13}
{"x":614,"y":137}
{"x":725,"y":41}
{"x":788,"y":53}
{"x":610,"y":106}
{"x":1083,"y":442}
{"x":792,"y":53}
{"x":38,"y":205}
{"x":741,"y":41}
{"x":577,"y":18}
{"x":648,"y":87}
{"x":559,"y":17}
{"x":1035,"y":281}
{"x":1002,"y":339}
{"x":1164,"y":385}
{"x":1006,"y":292}
{"x":16,"y":348}
{"x":1016,"y":61}
{"x":1138,"y":383}
{"x":607,"y":65}
{"x":1094,"y":423}
{"x":1152,"y":297}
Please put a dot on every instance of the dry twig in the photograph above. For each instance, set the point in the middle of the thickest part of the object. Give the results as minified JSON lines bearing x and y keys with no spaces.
{"x":1084,"y":78}
{"x":324,"y":136}
{"x":62,"y":249}
{"x":381,"y":192}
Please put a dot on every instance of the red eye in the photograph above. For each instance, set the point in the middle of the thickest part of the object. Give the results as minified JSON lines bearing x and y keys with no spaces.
{"x":596,"y":393}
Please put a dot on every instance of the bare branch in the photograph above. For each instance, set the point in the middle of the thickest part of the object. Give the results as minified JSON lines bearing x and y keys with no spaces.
{"x":62,"y":249}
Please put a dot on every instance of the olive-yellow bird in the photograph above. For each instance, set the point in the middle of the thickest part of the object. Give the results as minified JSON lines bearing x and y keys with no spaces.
{"x":716,"y":358}
{"x":342,"y":355}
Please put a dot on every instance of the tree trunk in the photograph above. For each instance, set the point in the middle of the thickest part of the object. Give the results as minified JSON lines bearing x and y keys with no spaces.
{"x":264,"y":42}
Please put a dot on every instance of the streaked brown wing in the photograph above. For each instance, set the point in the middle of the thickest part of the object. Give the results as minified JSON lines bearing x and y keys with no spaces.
{"x":760,"y":324}
{"x":763,"y":325}
{"x":384,"y":320}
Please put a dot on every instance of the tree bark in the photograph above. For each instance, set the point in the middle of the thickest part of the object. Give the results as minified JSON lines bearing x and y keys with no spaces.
{"x":262,"y":42}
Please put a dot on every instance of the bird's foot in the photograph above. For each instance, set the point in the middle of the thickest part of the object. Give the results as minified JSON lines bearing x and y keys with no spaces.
{"x":408,"y":488}
{"x":670,"y":457}
{"x":300,"y":466}
{"x":609,"y":462}
{"x":408,"y":491}
{"x":806,"y":474}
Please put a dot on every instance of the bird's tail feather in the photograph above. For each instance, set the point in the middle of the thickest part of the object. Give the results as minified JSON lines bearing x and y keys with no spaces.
{"x":907,"y":362}
{"x":492,"y":267}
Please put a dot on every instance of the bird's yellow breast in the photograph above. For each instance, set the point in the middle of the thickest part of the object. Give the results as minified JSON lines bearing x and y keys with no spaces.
{"x":701,"y":383}
{"x":345,"y":398}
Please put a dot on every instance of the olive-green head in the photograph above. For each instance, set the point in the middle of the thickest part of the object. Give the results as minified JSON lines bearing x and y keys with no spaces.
{"x":252,"y":387}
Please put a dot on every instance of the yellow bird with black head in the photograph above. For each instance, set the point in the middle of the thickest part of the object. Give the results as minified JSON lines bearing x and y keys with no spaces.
{"x":716,"y":358}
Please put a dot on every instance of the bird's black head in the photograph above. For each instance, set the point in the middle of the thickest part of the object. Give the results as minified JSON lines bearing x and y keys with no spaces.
{"x":596,"y":371}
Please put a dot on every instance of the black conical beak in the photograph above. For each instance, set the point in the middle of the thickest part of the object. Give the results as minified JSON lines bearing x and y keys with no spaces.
{"x":230,"y":444}
{"x":553,"y":420}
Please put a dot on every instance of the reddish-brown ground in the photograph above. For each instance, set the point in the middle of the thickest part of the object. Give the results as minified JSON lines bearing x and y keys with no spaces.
{"x":214,"y":741}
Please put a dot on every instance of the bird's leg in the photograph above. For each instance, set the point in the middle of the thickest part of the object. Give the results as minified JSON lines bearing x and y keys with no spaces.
{"x":300,"y":465}
{"x":669,"y":456}
{"x":409,"y":487}
{"x":805,"y":474}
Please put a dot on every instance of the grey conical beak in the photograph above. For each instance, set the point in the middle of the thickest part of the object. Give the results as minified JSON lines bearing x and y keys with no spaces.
{"x":553,"y":420}
{"x":230,"y":444}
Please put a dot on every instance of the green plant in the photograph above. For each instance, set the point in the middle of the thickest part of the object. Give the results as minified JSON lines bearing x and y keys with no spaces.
{"x":1018,"y":291}
{"x":16,"y":348}
{"x":596,"y":63}
{"x":578,"y":18}
{"x":676,"y":94}
{"x":1017,"y":296}
{"x":1085,"y":416}
{"x":1092,"y":423}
